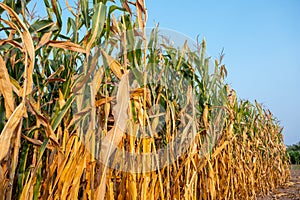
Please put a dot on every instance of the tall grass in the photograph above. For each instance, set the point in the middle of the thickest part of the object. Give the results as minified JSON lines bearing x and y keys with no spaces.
{"x":59,"y":102}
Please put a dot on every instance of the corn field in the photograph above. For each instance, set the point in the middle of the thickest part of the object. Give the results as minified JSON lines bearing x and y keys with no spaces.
{"x":73,"y":87}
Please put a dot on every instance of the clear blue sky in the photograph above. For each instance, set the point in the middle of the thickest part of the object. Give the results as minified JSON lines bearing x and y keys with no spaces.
{"x":261,"y":40}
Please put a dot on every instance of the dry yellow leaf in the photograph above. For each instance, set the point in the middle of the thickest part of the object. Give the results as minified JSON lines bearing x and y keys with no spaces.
{"x":114,"y":65}
{"x":44,"y":121}
{"x":11,"y":42}
{"x":97,"y":80}
{"x":205,"y":116}
{"x":114,"y":26}
{"x":140,"y":9}
{"x":9,"y":130}
{"x":61,"y":100}
{"x":27,"y":191}
{"x":219,"y":149}
{"x":67,"y":45}
{"x":126,"y":6}
{"x":101,"y":189}
{"x":44,"y":40}
{"x":115,"y":135}
{"x":104,"y":100}
{"x":28,"y":48}
{"x":6,"y":89}
{"x":2,"y":196}
{"x":33,"y":141}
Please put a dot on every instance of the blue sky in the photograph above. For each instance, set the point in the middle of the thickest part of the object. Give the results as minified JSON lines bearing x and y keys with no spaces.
{"x":261,"y":41}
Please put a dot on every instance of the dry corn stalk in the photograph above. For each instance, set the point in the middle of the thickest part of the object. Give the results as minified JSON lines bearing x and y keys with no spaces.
{"x":47,"y":123}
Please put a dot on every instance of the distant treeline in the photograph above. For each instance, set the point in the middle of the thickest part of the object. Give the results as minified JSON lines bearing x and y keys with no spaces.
{"x":294,"y":153}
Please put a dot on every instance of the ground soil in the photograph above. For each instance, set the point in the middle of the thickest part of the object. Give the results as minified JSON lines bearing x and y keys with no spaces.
{"x":290,"y":191}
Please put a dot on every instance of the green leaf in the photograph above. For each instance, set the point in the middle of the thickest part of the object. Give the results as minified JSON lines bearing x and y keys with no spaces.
{"x":57,"y":120}
{"x":41,"y":25}
{"x":57,"y":11}
{"x":111,"y":10}
{"x":98,"y":19}
{"x":85,"y":12}
{"x":71,"y":24}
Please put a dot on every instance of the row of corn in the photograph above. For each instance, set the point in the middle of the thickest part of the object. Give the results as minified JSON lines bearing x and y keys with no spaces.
{"x":96,"y":106}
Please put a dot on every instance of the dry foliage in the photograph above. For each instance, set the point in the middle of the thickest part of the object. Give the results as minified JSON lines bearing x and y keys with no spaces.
{"x":52,"y":135}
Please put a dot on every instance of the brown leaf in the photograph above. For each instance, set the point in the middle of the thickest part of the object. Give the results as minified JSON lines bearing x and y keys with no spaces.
{"x":114,"y":65}
{"x":104,"y":100}
{"x":61,"y":100}
{"x":219,"y":149}
{"x":101,"y":189}
{"x":115,"y":135}
{"x":134,"y":94}
{"x":126,"y":7}
{"x":120,"y":110}
{"x":27,"y":192}
{"x":6,"y":89}
{"x":2,"y":183}
{"x":97,"y":80}
{"x":91,"y":69}
{"x":33,"y":141}
{"x":9,"y":130}
{"x":13,"y":59}
{"x":11,"y":42}
{"x":67,"y":45}
{"x":13,"y":14}
{"x":79,"y":115}
{"x":44,"y":121}
{"x":205,"y":117}
{"x":28,"y":48}
{"x":139,"y":15}
{"x":50,"y":80}
{"x":140,"y":9}
{"x":142,"y":5}
{"x":44,"y":40}
{"x":114,"y":26}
